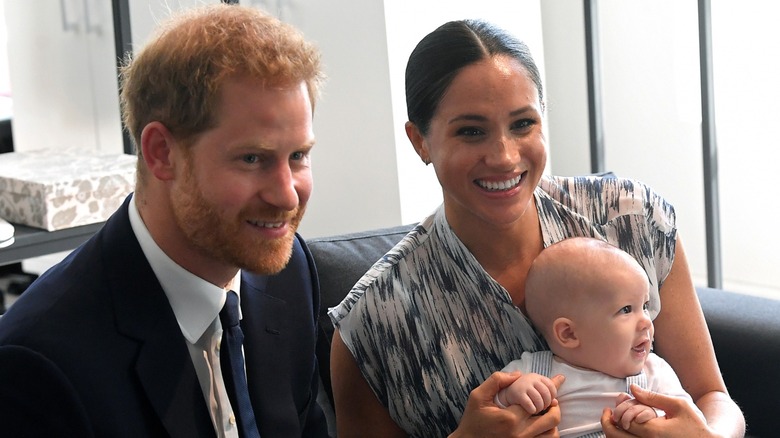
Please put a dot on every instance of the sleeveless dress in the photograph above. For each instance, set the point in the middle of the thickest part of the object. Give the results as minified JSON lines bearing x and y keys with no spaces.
{"x":426,"y":324}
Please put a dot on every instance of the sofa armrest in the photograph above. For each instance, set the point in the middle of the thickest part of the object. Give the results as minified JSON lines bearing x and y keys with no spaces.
{"x":745,"y":332}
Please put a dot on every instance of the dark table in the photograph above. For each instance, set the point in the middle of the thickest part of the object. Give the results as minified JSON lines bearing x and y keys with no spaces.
{"x":34,"y":242}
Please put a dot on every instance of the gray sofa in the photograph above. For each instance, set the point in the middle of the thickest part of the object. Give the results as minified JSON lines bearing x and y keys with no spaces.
{"x":745,"y":330}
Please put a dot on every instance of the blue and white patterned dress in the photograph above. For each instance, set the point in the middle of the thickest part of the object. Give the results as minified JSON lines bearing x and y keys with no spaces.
{"x":426,"y":324}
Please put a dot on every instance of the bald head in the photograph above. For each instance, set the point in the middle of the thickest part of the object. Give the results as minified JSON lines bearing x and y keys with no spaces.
{"x":569,"y":274}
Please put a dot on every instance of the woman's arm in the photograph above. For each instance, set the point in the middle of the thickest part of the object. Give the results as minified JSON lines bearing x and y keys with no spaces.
{"x":358,"y":411}
{"x":682,"y":338}
{"x":357,"y":408}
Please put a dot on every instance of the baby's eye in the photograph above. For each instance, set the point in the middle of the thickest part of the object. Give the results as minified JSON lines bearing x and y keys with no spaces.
{"x":626,"y":309}
{"x":646,"y":306}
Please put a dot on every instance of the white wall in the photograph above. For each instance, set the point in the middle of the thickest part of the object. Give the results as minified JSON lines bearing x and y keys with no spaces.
{"x":354,"y":164}
{"x":566,"y":87}
{"x":650,"y":102}
{"x":145,"y":14}
{"x":63,"y":75}
{"x":652,"y":118}
{"x":652,"y":108}
{"x":746,"y":66}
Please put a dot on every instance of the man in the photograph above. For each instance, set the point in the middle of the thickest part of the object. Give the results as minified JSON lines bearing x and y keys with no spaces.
{"x":122,"y":338}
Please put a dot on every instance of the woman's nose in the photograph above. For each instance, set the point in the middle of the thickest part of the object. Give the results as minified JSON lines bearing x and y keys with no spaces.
{"x":502,"y":151}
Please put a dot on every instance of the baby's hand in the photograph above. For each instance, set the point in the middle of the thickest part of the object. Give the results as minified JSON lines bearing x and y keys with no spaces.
{"x":533,"y":392}
{"x":628,"y":409}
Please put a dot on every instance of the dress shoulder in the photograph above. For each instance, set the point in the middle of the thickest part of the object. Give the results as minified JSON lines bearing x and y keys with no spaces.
{"x":602,"y":199}
{"x":624,"y":212}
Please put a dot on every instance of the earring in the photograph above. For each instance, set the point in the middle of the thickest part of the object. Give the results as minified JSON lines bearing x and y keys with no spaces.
{"x":427,"y":161}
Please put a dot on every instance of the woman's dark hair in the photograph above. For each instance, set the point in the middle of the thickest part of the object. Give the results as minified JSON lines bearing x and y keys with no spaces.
{"x":440,"y":56}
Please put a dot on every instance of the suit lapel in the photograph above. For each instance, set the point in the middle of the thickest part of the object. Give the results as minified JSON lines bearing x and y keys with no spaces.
{"x":142,"y":311}
{"x":263,"y":322}
{"x":279,"y":330}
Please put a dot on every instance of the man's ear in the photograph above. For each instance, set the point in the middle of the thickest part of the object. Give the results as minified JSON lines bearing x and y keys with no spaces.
{"x":564,"y":331}
{"x":418,"y":141}
{"x":157,"y":145}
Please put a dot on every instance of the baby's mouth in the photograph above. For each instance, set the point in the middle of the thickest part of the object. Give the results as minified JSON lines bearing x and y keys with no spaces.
{"x":642,"y":347}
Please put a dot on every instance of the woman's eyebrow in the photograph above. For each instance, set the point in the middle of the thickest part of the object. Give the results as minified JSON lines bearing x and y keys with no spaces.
{"x":480,"y":118}
{"x":467,"y":117}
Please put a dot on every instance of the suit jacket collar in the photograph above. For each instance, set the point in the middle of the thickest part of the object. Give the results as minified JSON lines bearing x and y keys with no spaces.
{"x":142,"y":312}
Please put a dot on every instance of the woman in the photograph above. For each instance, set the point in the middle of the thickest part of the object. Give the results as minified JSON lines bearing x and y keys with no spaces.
{"x":436,"y":317}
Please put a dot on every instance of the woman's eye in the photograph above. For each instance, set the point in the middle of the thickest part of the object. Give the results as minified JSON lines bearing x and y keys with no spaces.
{"x":523,"y":124}
{"x":469,"y":131}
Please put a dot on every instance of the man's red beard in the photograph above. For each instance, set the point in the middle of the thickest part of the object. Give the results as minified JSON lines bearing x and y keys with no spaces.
{"x":224,"y":238}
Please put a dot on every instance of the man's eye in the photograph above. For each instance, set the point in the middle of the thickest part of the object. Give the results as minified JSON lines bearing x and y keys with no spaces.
{"x":297,"y":156}
{"x":251,"y":159}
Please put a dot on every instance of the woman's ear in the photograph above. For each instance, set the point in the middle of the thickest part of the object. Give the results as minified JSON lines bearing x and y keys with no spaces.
{"x":418,"y":141}
{"x":157,"y":145}
{"x":564,"y":331}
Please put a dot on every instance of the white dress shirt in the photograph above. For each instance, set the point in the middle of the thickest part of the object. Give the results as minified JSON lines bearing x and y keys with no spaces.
{"x":196,"y":304}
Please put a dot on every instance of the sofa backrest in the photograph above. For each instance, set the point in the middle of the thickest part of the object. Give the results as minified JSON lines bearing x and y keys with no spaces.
{"x":341,"y":261}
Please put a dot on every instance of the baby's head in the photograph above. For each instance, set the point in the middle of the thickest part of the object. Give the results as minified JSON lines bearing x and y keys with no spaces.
{"x":589,"y":299}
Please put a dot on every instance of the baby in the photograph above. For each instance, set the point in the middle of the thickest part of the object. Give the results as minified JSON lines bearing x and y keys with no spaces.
{"x":589,"y":300}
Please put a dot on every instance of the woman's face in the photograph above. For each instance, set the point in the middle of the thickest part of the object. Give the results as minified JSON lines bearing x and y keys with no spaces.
{"x":486,"y":144}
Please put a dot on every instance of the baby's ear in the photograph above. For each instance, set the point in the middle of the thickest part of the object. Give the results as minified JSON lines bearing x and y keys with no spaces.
{"x":565,"y":333}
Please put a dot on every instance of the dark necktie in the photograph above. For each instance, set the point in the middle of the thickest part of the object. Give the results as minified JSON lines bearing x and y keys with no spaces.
{"x":232,"y":361}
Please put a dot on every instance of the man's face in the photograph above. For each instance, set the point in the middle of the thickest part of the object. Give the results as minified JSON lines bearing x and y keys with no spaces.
{"x":244,"y":185}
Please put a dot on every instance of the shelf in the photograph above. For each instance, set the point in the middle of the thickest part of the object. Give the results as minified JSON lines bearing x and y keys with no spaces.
{"x":34,"y":242}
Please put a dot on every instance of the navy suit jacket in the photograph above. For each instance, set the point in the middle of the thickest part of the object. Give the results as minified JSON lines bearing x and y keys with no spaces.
{"x":96,"y":337}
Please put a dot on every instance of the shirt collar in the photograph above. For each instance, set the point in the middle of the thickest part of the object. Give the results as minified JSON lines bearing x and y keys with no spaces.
{"x":195,"y":302}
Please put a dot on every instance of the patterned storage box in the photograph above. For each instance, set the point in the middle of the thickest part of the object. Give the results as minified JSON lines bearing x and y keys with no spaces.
{"x":62,"y":189}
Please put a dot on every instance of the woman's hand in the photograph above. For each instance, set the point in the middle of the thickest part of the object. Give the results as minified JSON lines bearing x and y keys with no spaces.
{"x":533,"y":392}
{"x":483,"y":418}
{"x":682,"y":338}
{"x":681,"y":419}
{"x":628,"y":410}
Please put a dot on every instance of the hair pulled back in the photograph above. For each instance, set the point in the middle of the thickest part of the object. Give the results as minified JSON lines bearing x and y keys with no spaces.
{"x":441,"y":55}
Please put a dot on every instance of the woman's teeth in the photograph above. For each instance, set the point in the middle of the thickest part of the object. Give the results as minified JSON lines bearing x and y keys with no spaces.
{"x":502,"y":185}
